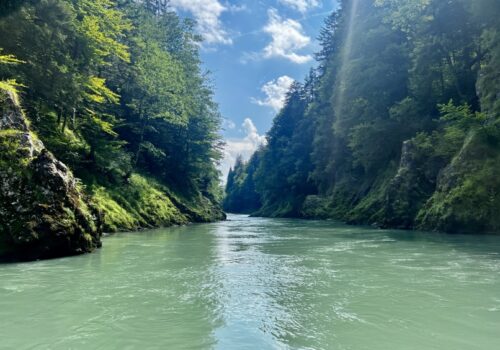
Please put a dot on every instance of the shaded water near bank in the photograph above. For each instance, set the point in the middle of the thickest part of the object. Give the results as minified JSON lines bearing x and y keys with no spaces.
{"x":252,"y":283}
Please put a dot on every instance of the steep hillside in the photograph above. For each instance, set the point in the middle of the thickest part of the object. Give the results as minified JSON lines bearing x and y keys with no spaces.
{"x":398,"y":126}
{"x":116,"y":94}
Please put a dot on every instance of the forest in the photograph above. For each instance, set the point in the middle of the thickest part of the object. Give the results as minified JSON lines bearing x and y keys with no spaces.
{"x":397,"y":126}
{"x":115,"y":91}
{"x":361,"y":209}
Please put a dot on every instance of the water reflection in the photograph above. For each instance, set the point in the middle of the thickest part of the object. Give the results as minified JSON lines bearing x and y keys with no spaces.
{"x":286,"y":288}
{"x":252,"y":283}
{"x":248,"y":278}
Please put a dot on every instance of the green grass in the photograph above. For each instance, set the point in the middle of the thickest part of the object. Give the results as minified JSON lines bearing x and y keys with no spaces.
{"x":140,"y":203}
{"x":12,"y":155}
{"x":116,"y":218}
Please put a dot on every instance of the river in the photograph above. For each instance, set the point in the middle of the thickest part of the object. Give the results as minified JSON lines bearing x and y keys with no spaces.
{"x":253,"y":283}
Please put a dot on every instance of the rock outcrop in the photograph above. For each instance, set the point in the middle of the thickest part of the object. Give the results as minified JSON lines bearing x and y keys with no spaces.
{"x":410,"y":188}
{"x":467,"y":196}
{"x":43,"y":212}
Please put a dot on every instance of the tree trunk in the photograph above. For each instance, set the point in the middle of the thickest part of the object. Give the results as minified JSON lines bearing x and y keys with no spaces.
{"x":59,"y":116}
{"x":138,"y":153}
{"x":65,"y":122}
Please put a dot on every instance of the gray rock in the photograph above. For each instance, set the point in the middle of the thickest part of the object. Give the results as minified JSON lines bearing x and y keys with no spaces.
{"x":43,"y":212}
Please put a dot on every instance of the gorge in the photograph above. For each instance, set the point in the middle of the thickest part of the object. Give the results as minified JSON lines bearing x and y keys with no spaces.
{"x":356,"y":207}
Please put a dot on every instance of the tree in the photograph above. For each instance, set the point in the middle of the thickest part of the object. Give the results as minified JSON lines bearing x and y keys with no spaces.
{"x":115,"y":87}
{"x":401,"y":89}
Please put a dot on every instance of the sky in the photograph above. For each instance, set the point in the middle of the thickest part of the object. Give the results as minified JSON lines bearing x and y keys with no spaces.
{"x":254,"y":51}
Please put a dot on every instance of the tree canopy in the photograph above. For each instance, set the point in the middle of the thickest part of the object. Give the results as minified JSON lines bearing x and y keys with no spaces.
{"x":113,"y":88}
{"x":391,"y":73}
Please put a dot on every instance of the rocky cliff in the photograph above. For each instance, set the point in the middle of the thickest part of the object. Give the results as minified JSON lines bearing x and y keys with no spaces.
{"x":467,"y":197}
{"x":428,"y":191}
{"x":43,"y":212}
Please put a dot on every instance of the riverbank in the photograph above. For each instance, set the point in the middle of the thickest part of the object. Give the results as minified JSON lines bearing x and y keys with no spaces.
{"x":398,"y":126}
{"x":108,"y":122}
{"x":47,"y":212}
{"x":422,"y":192}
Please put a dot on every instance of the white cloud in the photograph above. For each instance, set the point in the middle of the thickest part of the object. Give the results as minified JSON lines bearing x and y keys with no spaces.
{"x":228,"y":124}
{"x":244,"y":146}
{"x":287,"y":39}
{"x":207,"y":13}
{"x":275,"y":91}
{"x":252,"y":133}
{"x":301,"y":5}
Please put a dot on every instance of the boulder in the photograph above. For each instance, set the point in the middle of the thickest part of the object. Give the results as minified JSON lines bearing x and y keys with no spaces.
{"x":43,"y":211}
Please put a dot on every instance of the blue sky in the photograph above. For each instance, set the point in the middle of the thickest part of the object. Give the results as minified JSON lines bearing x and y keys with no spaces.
{"x":254,"y":49}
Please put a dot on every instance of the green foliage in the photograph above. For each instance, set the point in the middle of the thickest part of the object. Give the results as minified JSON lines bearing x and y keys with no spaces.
{"x":140,"y":203}
{"x":9,"y":59}
{"x":10,"y":85}
{"x":116,"y":218}
{"x":459,"y":120}
{"x":486,"y":13}
{"x":282,"y":177}
{"x":102,"y":25}
{"x":399,"y":82}
{"x":99,"y":93}
{"x":115,"y":88}
{"x":467,"y":198}
{"x":241,"y":194}
{"x":316,"y":207}
{"x":11,"y":152}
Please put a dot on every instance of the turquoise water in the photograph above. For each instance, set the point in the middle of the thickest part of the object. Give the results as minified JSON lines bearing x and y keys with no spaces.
{"x":252,"y":283}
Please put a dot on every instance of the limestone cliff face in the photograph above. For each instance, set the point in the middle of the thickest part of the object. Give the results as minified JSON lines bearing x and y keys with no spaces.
{"x":43,"y":213}
{"x":460,"y":195}
{"x":467,"y":195}
{"x":429,"y":191}
{"x":410,"y":188}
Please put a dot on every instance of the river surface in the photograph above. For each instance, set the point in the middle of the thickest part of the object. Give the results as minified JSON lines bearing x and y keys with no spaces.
{"x":252,"y":283}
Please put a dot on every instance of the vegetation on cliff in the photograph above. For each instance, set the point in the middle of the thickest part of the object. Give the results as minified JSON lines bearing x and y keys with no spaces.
{"x":43,"y":211}
{"x":398,"y":126}
{"x":115,"y":91}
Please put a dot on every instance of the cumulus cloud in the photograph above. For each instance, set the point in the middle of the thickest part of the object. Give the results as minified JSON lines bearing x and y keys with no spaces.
{"x":275,"y":91}
{"x":207,"y":13}
{"x":252,"y":133}
{"x":245,"y":146}
{"x":301,"y":5}
{"x":287,"y":39}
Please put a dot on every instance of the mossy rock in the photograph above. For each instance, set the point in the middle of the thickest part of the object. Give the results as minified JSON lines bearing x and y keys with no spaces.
{"x":43,"y":212}
{"x":316,"y":207}
{"x":467,"y":197}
